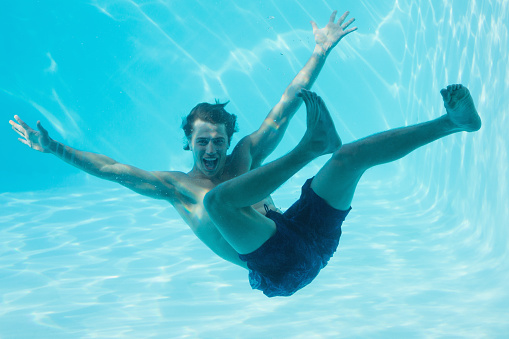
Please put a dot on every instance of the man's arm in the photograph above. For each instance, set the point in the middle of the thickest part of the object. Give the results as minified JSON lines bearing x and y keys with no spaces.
{"x":263,"y":141}
{"x":153,"y":184}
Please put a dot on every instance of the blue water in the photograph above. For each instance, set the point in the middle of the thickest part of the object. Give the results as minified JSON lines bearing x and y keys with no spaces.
{"x":424,"y":252}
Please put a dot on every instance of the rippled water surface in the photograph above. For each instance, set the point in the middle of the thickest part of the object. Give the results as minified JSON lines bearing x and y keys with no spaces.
{"x":424,"y":252}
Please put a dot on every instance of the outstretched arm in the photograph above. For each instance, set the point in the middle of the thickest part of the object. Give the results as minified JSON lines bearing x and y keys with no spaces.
{"x":153,"y":184}
{"x":263,"y":142}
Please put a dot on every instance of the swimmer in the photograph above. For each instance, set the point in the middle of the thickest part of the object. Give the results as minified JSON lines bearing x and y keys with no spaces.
{"x":208,"y":129}
{"x":225,"y":199}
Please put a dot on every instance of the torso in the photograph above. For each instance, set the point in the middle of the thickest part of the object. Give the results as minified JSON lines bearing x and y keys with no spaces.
{"x":188,"y":201}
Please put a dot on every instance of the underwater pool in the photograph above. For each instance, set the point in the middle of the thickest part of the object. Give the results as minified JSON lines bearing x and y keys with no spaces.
{"x":424,"y":252}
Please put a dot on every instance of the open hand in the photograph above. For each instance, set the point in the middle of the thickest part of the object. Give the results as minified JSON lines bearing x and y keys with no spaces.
{"x":329,"y":36}
{"x":38,"y":140}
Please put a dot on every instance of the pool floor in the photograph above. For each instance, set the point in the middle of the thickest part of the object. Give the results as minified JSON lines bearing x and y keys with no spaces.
{"x":107,"y":263}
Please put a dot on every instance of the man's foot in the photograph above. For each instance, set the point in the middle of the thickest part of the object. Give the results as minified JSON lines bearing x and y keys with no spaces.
{"x":460,"y":108}
{"x":321,"y":136}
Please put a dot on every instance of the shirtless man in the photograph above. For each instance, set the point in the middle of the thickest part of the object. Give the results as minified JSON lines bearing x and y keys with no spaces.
{"x":209,"y":140}
{"x":225,"y":199}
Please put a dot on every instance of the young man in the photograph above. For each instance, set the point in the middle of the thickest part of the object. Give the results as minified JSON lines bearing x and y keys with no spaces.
{"x":285,"y":252}
{"x":209,"y":140}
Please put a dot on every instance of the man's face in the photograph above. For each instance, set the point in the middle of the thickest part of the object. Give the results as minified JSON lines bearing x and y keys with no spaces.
{"x":209,"y":143}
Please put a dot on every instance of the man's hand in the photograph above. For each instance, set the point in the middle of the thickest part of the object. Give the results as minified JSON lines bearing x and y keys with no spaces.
{"x":38,"y":140}
{"x":262,"y":142}
{"x":329,"y":36}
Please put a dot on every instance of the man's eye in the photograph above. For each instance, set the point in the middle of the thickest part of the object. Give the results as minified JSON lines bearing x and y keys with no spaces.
{"x":202,"y":142}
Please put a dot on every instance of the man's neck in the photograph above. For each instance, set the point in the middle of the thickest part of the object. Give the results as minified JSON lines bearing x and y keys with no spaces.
{"x":199,"y":175}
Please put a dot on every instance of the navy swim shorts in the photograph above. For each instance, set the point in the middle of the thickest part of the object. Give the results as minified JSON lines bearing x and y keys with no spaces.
{"x":307,"y":235}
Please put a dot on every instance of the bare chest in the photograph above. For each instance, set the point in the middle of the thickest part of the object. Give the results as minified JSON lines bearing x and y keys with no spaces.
{"x":189,"y":205}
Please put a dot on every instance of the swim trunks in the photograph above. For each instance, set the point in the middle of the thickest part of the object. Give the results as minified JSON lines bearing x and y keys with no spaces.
{"x":307,"y":235}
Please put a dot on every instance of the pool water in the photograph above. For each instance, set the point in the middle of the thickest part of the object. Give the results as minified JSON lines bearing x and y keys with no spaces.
{"x":424,"y":252}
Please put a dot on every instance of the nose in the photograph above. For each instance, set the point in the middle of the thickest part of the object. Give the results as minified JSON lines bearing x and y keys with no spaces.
{"x":210,"y":148}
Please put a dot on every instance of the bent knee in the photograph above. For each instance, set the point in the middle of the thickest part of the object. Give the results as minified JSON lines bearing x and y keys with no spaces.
{"x":348,"y":157}
{"x":214,"y":200}
{"x":212,"y":205}
{"x":211,"y":199}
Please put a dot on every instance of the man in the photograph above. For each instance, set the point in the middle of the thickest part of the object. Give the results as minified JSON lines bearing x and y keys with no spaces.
{"x":209,"y":141}
{"x":221,"y":197}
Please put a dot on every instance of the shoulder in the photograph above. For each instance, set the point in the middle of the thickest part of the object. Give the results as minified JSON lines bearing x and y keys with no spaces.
{"x":157,"y":184}
{"x":244,"y":145}
{"x":163,"y":177}
{"x":169,"y":176}
{"x":181,"y":187}
{"x":240,"y":158}
{"x":174,"y":181}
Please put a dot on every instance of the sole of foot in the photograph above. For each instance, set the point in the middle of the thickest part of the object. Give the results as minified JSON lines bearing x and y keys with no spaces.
{"x":460,"y":108}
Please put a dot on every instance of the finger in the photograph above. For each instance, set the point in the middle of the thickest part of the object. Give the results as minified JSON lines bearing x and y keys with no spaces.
{"x":348,"y":31}
{"x":22,"y":123}
{"x":19,"y":132}
{"x":348,"y":23}
{"x":314,"y":25}
{"x":43,"y":131}
{"x":14,"y":125}
{"x":23,"y":141}
{"x":17,"y":128}
{"x":343,"y":17}
{"x":333,"y":17}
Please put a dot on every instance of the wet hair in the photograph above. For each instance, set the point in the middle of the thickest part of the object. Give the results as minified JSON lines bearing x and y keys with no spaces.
{"x":212,"y":113}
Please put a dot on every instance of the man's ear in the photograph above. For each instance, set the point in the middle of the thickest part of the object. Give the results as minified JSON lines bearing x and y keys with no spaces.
{"x":188,"y":140}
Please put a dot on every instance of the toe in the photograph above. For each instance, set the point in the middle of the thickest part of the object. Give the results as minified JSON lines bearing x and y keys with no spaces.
{"x":445,"y":94}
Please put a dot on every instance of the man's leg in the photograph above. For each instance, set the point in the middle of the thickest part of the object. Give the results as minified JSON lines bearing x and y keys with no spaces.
{"x":337,"y":180}
{"x":229,"y":204}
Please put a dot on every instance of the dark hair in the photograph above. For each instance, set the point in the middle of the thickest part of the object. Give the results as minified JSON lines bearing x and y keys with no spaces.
{"x":213,"y":113}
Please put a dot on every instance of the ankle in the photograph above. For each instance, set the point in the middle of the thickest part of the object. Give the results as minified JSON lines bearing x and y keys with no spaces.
{"x":447,"y":124}
{"x":303,"y":153}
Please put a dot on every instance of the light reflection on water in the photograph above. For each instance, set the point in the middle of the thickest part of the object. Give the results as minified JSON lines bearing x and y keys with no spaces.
{"x":111,"y":263}
{"x":423,"y":254}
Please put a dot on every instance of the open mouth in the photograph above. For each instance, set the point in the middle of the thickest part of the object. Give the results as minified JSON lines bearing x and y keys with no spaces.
{"x":210,"y":164}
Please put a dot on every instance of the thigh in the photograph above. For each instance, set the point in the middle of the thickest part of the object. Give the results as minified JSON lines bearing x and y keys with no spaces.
{"x":244,"y":228}
{"x":337,"y":179}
